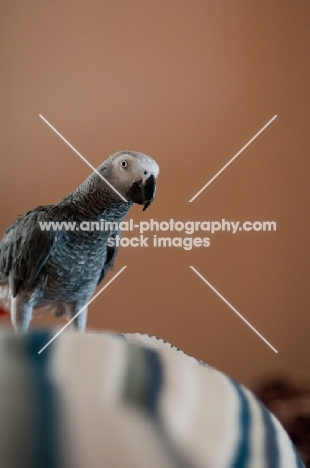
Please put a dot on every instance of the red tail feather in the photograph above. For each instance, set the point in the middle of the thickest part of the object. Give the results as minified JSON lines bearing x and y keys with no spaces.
{"x":3,"y":313}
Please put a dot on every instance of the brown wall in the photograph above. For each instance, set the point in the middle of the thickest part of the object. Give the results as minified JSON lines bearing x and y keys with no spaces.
{"x":189,"y":83}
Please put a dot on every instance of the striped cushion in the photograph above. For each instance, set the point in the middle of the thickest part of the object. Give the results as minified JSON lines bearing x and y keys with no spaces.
{"x":128,"y":401}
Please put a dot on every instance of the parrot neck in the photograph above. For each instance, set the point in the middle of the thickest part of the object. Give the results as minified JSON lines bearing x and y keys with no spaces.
{"x":93,"y":203}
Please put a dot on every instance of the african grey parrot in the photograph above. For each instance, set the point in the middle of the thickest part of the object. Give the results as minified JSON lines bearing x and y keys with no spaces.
{"x":60,"y":269}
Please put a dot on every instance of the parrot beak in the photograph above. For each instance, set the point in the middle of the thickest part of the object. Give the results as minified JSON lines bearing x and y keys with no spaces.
{"x":148,"y":191}
{"x":143,"y":193}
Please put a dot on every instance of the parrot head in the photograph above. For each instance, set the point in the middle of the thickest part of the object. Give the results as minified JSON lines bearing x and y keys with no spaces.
{"x":133,"y":175}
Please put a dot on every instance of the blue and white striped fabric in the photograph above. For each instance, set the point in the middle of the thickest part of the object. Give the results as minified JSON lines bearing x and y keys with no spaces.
{"x":127,"y":401}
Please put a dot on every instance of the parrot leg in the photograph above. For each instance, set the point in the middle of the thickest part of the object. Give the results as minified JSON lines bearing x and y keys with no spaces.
{"x":21,"y":313}
{"x":79,"y":323}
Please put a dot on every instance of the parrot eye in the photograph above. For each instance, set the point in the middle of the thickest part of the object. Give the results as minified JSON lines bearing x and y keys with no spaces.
{"x":124,"y":163}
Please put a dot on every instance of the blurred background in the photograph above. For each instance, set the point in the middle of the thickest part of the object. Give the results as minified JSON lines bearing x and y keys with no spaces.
{"x":188,"y":83}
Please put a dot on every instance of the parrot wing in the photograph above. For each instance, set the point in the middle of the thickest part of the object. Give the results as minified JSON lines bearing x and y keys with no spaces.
{"x":110,"y":257}
{"x":25,"y":248}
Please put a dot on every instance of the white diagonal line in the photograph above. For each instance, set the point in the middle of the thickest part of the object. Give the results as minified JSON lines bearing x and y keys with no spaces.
{"x":233,"y":158}
{"x":83,"y":308}
{"x":82,"y":157}
{"x":233,"y":308}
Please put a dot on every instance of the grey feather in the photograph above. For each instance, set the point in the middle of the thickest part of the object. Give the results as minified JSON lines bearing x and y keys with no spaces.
{"x":59,"y":269}
{"x":110,"y":256}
